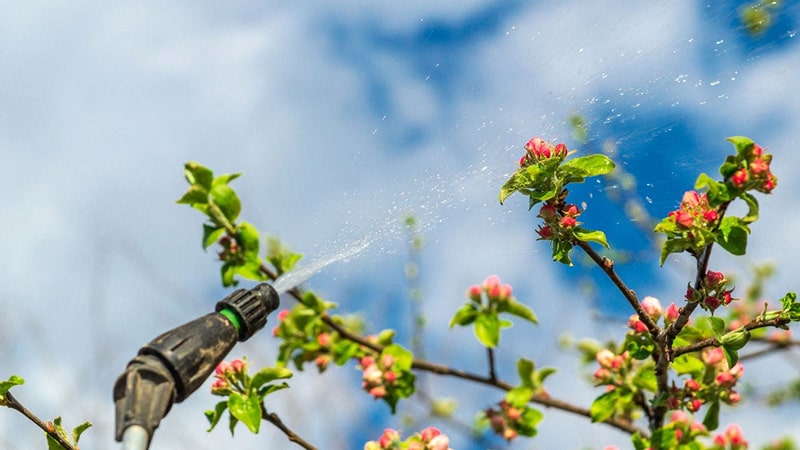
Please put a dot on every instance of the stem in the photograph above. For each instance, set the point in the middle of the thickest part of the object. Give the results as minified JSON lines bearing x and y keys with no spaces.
{"x":490,"y":356}
{"x":293,"y":437}
{"x":48,"y":427}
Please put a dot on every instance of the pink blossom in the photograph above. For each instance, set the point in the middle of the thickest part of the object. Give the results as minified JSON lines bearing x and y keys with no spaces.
{"x":387,"y":361}
{"x":671,"y":313}
{"x":429,"y":433}
{"x":690,"y":199}
{"x":440,"y":442}
{"x":734,"y":435}
{"x":636,"y":324}
{"x":692,"y":385}
{"x":238,"y":366}
{"x":560,"y":150}
{"x":680,"y":417}
{"x":474,"y":292}
{"x":739,"y":178}
{"x":759,"y":166}
{"x":283,"y":314}
{"x":711,"y":302}
{"x":509,"y":434}
{"x":388,"y":437}
{"x":714,"y":278}
{"x":725,"y":379}
{"x":547,"y":212}
{"x":605,"y":358}
{"x":695,"y":405}
{"x":734,"y":397}
{"x":568,"y":222}
{"x":367,"y":361}
{"x":324,"y":339}
{"x":713,"y":356}
{"x":222,"y":368}
{"x":757,"y":150}
{"x":711,"y":216}
{"x":684,"y":218}
{"x":377,"y":391}
{"x":390,"y":376}
{"x":545,"y":232}
{"x":491,"y":281}
{"x":572,"y":210}
{"x":372,"y":375}
{"x":652,"y":307}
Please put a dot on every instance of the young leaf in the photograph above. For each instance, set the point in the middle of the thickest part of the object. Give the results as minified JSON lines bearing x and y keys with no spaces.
{"x":465,"y":315}
{"x":197,"y":174}
{"x":268,"y":374}
{"x":591,"y":236}
{"x":487,"y":329}
{"x":227,"y":201}
{"x":711,"y":420}
{"x":604,"y":406}
{"x":732,"y":235}
{"x":247,"y":409}
{"x":743,"y":144}
{"x":78,"y":431}
{"x":211,"y":234}
{"x":196,"y":194}
{"x":519,"y":396}
{"x":525,"y":369}
{"x":214,"y":415}
{"x":5,"y":386}
{"x":518,"y":309}
{"x":588,"y":166}
{"x":522,"y":178}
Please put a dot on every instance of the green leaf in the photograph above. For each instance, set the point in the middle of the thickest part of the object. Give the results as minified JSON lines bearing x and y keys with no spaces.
{"x":525,"y":369}
{"x":227,"y":201}
{"x":527,"y":424}
{"x":247,"y":236}
{"x":197,"y":174}
{"x":588,"y":166}
{"x":732,"y":235}
{"x":735,"y":339}
{"x":591,"y":236}
{"x":731,"y":355}
{"x":518,"y":309}
{"x":752,"y":205}
{"x":711,"y":420}
{"x":604,"y":406}
{"x":487,"y":329}
{"x":717,"y":325}
{"x":5,"y":386}
{"x":465,"y":315}
{"x":211,"y":234}
{"x":645,"y":379}
{"x":688,"y":364}
{"x":268,"y":374}
{"x":78,"y":431}
{"x":519,"y":396}
{"x":403,"y":359}
{"x":561,"y":251}
{"x":214,"y":415}
{"x":247,"y":409}
{"x":196,"y":194}
{"x":225,"y":179}
{"x":386,"y":337}
{"x":743,"y":144}
{"x":522,"y":178}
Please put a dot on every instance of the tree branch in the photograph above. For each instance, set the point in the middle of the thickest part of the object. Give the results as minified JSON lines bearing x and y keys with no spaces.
{"x":293,"y":437}
{"x":48,"y":427}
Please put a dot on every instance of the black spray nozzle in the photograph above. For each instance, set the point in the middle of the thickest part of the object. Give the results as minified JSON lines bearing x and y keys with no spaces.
{"x":175,"y":364}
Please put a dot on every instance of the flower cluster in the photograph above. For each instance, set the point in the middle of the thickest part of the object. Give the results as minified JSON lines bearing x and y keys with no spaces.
{"x":228,"y":377}
{"x":507,"y":420}
{"x":731,"y":439}
{"x":537,"y":150}
{"x":556,"y":221}
{"x":494,"y":289}
{"x":694,"y":212}
{"x":428,"y":439}
{"x":378,"y":377}
{"x":685,"y":428}
{"x":754,"y":172}
{"x":712,"y":293}
{"x":613,"y":368}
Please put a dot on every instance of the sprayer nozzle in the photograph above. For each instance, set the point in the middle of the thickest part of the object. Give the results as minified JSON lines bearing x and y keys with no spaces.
{"x":252,"y":306}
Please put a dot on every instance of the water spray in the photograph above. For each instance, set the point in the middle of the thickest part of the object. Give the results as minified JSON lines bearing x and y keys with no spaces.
{"x":173,"y":365}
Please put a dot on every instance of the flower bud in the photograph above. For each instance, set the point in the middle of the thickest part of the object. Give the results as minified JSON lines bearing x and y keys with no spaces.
{"x":652,"y":307}
{"x":671,"y":313}
{"x":429,"y":433}
{"x":238,"y":366}
{"x":714,"y":278}
{"x":388,"y":438}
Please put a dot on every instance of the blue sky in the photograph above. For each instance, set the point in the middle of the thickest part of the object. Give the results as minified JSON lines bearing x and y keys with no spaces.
{"x":345,"y":117}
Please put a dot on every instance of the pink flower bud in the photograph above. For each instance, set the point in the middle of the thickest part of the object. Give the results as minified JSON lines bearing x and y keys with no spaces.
{"x":324,"y":339}
{"x":372,"y":375}
{"x":568,"y":222}
{"x":387,"y":361}
{"x":440,"y":442}
{"x":757,"y":150}
{"x":366,"y":361}
{"x":714,"y":278}
{"x":378,"y":391}
{"x":636,"y":324}
{"x":390,"y":376}
{"x":429,"y":433}
{"x":282,"y":315}
{"x":734,"y":435}
{"x":759,"y":166}
{"x":222,"y":368}
{"x":711,"y":302}
{"x":605,"y":358}
{"x":509,"y":434}
{"x":710,"y":216}
{"x":474,"y":293}
{"x":513,"y":414}
{"x":680,"y":417}
{"x":694,"y":405}
{"x":652,"y":307}
{"x":560,"y":150}
{"x":491,"y":281}
{"x":238,"y":366}
{"x":684,"y":219}
{"x":671,"y":313}
{"x":739,"y":178}
{"x":725,"y":379}
{"x":713,"y":356}
{"x":547,"y":212}
{"x":388,"y":438}
{"x":545,"y":232}
{"x":690,"y":199}
{"x":572,"y":210}
{"x":737,"y":370}
{"x":734,"y":397}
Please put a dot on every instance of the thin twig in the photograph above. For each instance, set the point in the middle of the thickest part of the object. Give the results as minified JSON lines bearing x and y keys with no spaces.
{"x":48,"y":427}
{"x":490,"y":356}
{"x":293,"y":437}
